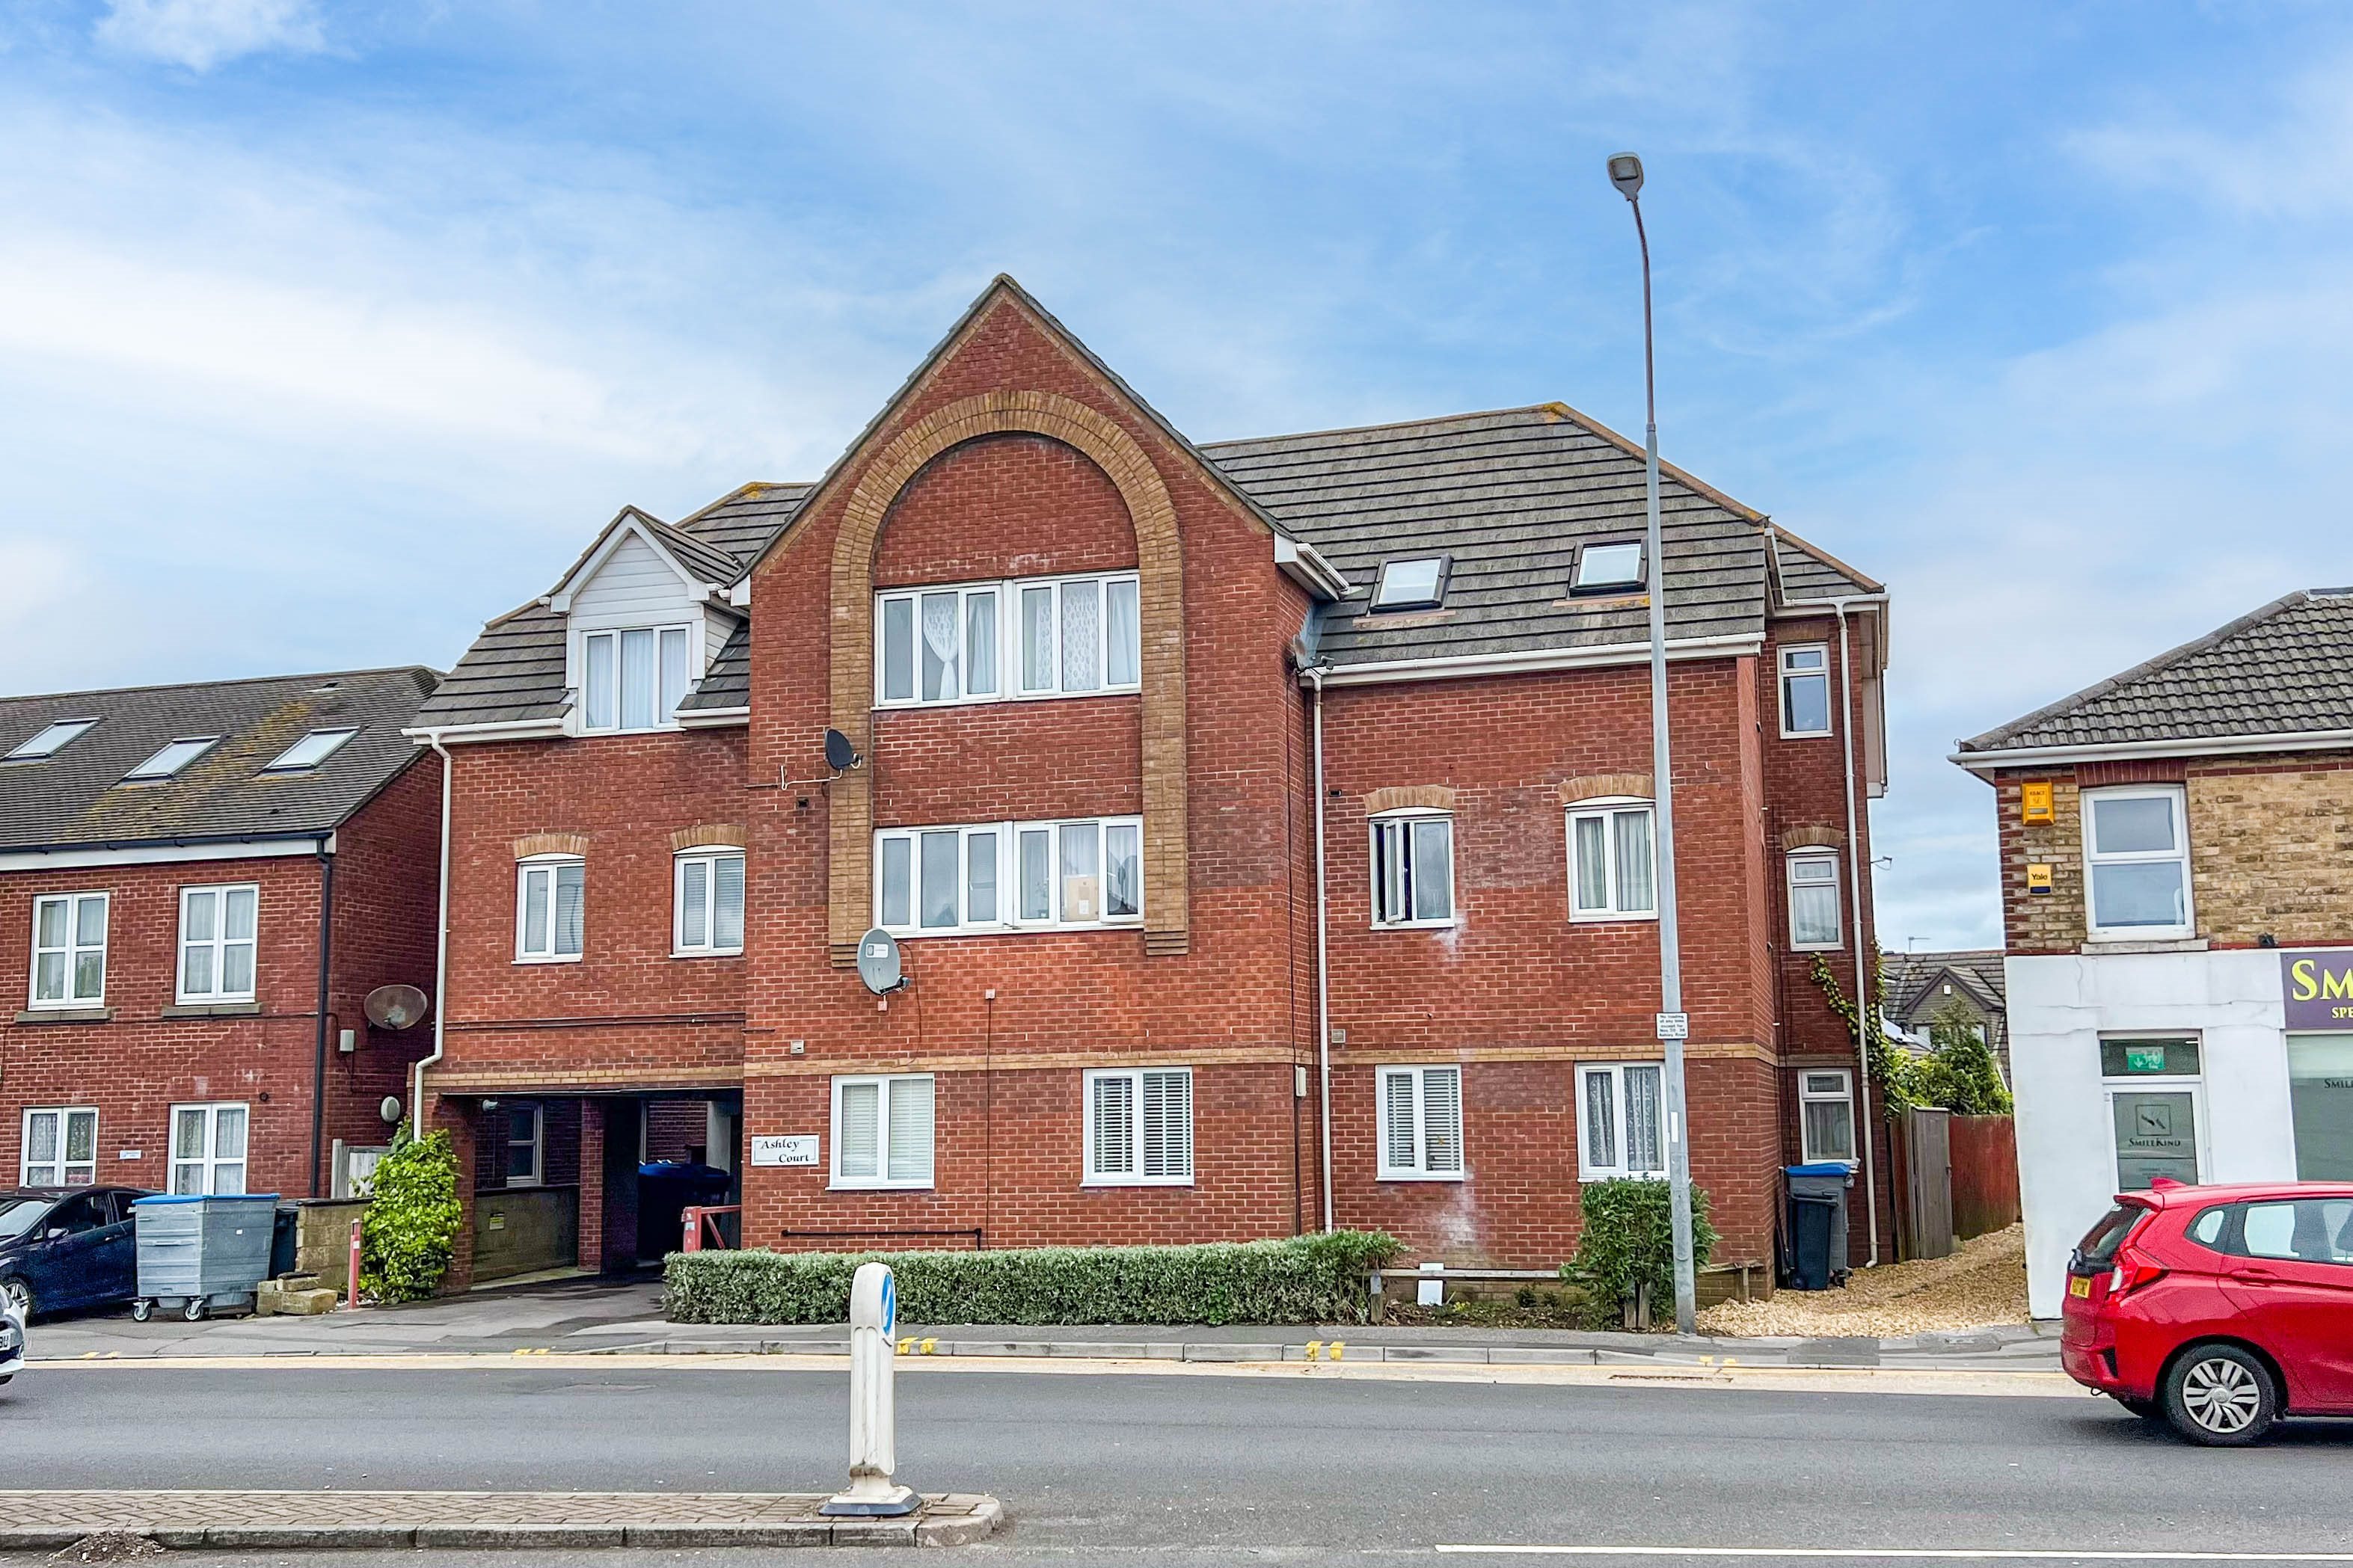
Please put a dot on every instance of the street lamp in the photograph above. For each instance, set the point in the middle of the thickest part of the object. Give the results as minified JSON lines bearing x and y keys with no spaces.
{"x":1674,"y":1025}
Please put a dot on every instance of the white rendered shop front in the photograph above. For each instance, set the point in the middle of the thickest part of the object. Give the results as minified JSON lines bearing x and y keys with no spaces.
{"x":2200,"y":1065}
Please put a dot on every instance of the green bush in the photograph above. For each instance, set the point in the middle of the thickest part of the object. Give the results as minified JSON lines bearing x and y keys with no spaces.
{"x":1302,"y":1279}
{"x":1959,"y":1072}
{"x":1628,"y":1240}
{"x":410,"y":1231}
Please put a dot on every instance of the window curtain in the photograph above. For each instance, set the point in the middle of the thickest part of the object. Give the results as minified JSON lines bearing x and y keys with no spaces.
{"x":1123,"y":645}
{"x":1600,"y":1123}
{"x":1642,"y":1122}
{"x":939,"y":647}
{"x":1634,"y":895}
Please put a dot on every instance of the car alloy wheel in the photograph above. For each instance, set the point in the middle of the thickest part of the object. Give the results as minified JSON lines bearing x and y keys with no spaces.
{"x":19,"y":1297}
{"x":2220,"y":1394}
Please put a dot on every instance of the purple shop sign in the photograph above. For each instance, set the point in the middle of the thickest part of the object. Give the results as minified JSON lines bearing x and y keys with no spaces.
{"x":2319,"y":987}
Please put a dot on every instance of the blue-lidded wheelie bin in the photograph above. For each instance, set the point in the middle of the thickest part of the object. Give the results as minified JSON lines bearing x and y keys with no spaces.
{"x":1818,"y":1223}
{"x":202,"y":1251}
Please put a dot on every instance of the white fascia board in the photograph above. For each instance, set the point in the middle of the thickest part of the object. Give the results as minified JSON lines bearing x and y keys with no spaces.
{"x":2129,"y":751}
{"x":712,"y":718}
{"x":70,"y":858}
{"x":738,"y":593}
{"x":506,"y":730}
{"x":1304,"y":564}
{"x":1807,"y":608}
{"x":1535,"y":660}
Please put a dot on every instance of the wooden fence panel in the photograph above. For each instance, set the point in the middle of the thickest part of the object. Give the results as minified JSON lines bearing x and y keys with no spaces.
{"x":1985,"y":1175}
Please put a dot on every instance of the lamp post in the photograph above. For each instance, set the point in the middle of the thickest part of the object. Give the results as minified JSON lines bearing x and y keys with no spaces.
{"x":1626,"y":173}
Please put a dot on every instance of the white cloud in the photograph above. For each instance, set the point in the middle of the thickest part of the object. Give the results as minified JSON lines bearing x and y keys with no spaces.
{"x":2295,"y":165}
{"x":201,"y":34}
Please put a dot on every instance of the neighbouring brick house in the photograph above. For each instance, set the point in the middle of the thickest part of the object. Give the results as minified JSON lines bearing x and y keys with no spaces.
{"x":2177,"y":874}
{"x":1095,"y":673}
{"x":207,"y":881}
{"x":1918,"y":987}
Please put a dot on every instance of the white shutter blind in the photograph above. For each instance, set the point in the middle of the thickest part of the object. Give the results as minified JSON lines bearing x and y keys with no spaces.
{"x":1114,"y":1150}
{"x":1396,"y":1093}
{"x":856,"y":1145}
{"x":1168,"y":1124}
{"x":911,"y":1130}
{"x":1441,"y":1120}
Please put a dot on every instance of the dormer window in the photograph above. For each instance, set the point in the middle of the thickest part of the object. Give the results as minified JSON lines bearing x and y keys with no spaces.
{"x":634,"y":679}
{"x":49,"y":742}
{"x":1416,"y":584}
{"x":168,"y":763}
{"x":1612,"y":567}
{"x":310,"y":751}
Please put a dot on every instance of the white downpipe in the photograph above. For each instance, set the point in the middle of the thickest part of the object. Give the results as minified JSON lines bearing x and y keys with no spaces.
{"x":1315,"y":674}
{"x":1865,"y":1003}
{"x":441,"y":949}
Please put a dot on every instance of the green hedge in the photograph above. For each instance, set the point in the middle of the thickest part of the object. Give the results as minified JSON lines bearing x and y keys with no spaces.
{"x":1303,"y":1280}
{"x":1628,"y":1240}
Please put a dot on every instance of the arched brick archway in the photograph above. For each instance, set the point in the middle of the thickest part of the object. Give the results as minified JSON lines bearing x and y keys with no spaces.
{"x":1161,"y":605}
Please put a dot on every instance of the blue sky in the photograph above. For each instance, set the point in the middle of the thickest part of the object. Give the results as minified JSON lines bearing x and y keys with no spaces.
{"x":328,"y":331}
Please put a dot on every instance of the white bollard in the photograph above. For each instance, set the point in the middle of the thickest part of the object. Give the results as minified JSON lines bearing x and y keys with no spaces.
{"x":873,"y":1425}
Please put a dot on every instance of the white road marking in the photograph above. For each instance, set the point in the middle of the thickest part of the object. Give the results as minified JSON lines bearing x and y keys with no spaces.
{"x":1881,"y":1553}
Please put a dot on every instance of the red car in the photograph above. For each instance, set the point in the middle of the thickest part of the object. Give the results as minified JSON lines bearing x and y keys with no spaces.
{"x":2220,"y":1308}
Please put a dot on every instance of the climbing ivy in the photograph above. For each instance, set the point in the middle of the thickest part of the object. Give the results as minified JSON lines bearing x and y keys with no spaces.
{"x":1894,"y":1071}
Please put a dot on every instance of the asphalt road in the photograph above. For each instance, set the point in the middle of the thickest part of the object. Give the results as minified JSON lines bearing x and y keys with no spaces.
{"x":1110,"y":1468}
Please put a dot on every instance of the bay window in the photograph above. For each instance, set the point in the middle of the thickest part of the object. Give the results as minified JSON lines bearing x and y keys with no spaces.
{"x":1620,"y":1121}
{"x":633,"y":679}
{"x":1613,"y":867}
{"x":1006,"y":876}
{"x":1023,"y":637}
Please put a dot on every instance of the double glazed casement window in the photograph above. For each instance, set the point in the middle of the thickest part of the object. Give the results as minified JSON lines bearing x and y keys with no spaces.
{"x":1006,"y":876}
{"x":1420,"y":1131}
{"x":1826,"y":1115}
{"x":633,"y":679}
{"x":990,"y":642}
{"x":551,"y":908}
{"x":1140,"y":1127}
{"x":1815,"y":922}
{"x":61,"y":1147}
{"x":208,"y":1148}
{"x":1413,"y":871}
{"x":882,"y":1131}
{"x":70,"y":949}
{"x":2136,"y":854}
{"x":216,"y":943}
{"x":1620,"y":1121}
{"x":1612,"y":871}
{"x":1806,"y":691}
{"x":708,"y":902}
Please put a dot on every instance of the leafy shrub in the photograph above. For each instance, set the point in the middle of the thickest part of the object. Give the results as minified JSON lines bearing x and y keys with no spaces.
{"x":1959,"y":1072}
{"x":1627,"y":1241}
{"x":410,"y":1231}
{"x":1302,"y":1279}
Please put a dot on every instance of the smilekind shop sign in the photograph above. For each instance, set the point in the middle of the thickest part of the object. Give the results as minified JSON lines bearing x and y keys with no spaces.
{"x":2319,"y":987}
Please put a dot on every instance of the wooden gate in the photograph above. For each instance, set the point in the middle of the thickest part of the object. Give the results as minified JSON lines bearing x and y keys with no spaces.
{"x":1928,"y":1183}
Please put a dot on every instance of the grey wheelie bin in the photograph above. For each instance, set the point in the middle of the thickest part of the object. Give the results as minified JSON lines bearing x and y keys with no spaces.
{"x":202,"y":1251}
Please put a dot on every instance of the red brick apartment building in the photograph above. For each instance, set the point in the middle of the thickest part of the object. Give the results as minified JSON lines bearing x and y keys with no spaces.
{"x":1111,"y":693}
{"x":207,"y":881}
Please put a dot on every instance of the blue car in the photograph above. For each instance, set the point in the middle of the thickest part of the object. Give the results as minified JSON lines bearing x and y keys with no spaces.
{"x":62,"y":1248}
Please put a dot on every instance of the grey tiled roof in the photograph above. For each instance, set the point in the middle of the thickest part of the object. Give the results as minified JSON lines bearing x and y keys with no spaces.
{"x":1508,"y":496}
{"x":2284,"y":669}
{"x":741,"y":522}
{"x":728,"y":682}
{"x":1909,"y":975}
{"x":1810,"y":573}
{"x":75,"y":797}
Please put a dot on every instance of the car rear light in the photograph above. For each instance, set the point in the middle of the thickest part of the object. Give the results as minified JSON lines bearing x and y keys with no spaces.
{"x":2133,"y":1271}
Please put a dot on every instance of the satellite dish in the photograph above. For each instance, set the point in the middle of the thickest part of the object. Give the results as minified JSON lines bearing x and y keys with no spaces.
{"x":393,"y":1006}
{"x":878,"y":962}
{"x":840,"y":754}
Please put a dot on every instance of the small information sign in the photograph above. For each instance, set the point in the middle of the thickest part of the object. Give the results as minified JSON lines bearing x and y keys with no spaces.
{"x":1675,"y":1026}
{"x":792,"y":1151}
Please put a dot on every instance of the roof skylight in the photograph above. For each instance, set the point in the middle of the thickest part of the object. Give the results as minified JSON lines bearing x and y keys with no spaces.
{"x":49,"y":742}
{"x":1602,"y":567}
{"x":167,"y":762}
{"x":1417,"y":583}
{"x":310,"y":751}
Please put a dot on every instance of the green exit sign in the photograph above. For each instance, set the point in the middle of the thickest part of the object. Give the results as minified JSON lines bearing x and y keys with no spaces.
{"x":2143,"y":1059}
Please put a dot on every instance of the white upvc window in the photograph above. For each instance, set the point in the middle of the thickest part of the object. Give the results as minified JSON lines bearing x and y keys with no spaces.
{"x":1817,"y":923}
{"x":1413,"y":869}
{"x":632,"y":678}
{"x":70,"y":949}
{"x":1139,"y":1127}
{"x":2136,"y":861}
{"x":1805,"y":690}
{"x":61,"y":1147}
{"x":551,"y":908}
{"x":1621,"y":1125}
{"x":882,"y":1131}
{"x":1612,"y":861}
{"x":526,"y":1143}
{"x":208,"y":1145}
{"x":1021,"y":638}
{"x":1075,"y":874}
{"x":1420,"y":1116}
{"x":707,"y":904}
{"x":1826,"y":1115}
{"x":217,"y":942}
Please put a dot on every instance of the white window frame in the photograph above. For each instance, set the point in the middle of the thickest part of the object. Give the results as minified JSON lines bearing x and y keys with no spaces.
{"x":1403,"y":879}
{"x":707,"y":856}
{"x":331,"y":740}
{"x":1789,"y":674}
{"x":29,"y":1174}
{"x":690,"y":630}
{"x":31,"y":749}
{"x":219,"y":943}
{"x":1381,"y":603}
{"x":1420,"y":1169}
{"x":1607,"y":810}
{"x":1634,"y":585}
{"x":538,"y":1141}
{"x":1843,"y":1095}
{"x":1135,"y":1174}
{"x":1837,"y":885}
{"x":210,"y":1159}
{"x":1008,"y":836}
{"x":2192,"y":1084}
{"x":73,"y":949}
{"x":1616,"y":1169}
{"x":147,"y":772}
{"x":549,"y":865}
{"x":1011,"y":685}
{"x":2088,"y":803}
{"x":881,"y":1180}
